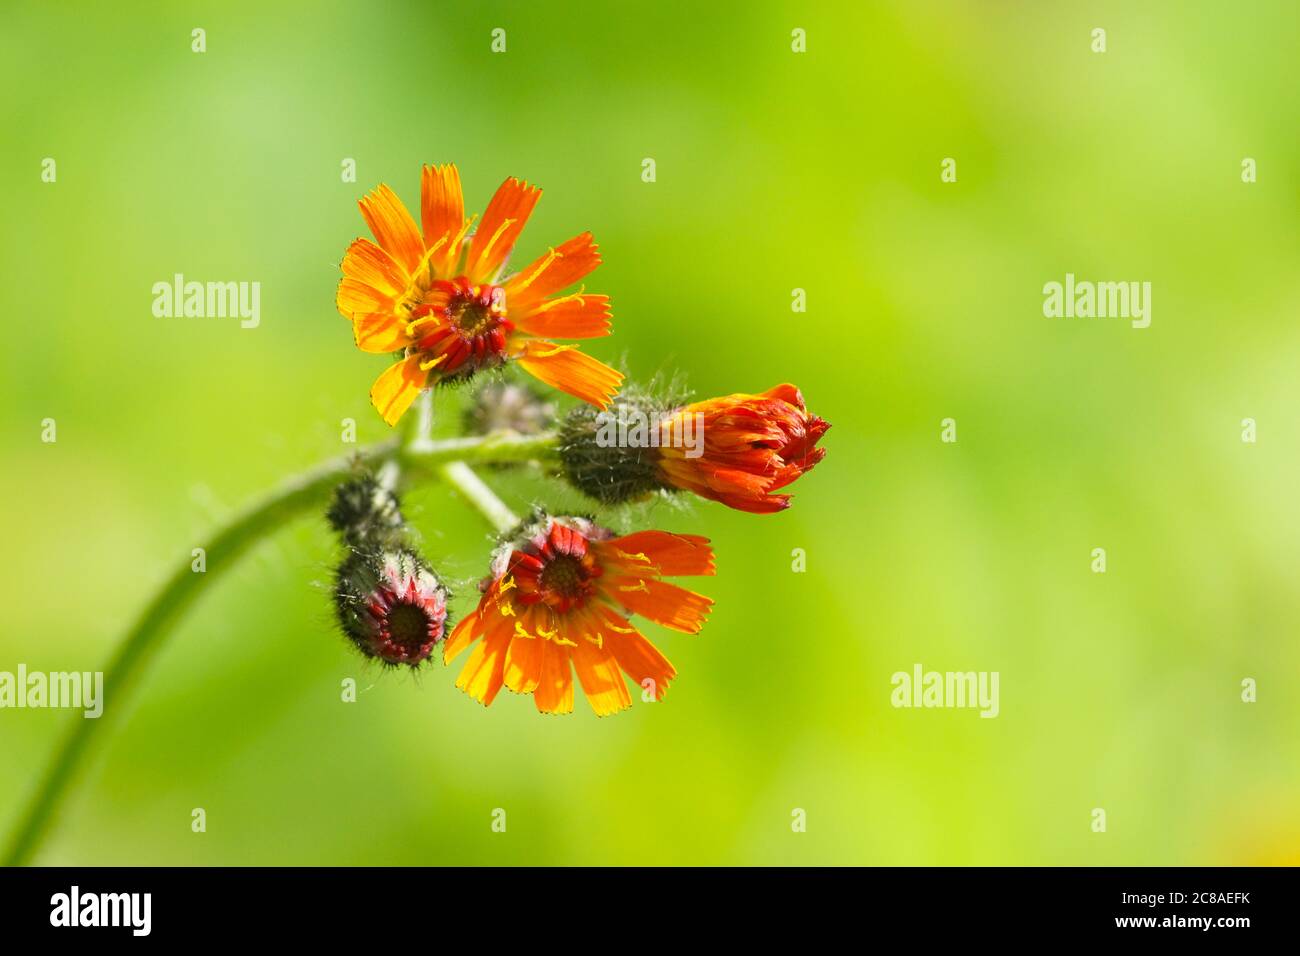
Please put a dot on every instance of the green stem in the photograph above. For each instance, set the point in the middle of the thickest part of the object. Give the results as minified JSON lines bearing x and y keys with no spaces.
{"x":474,"y":490}
{"x":421,"y":458}
{"x":419,"y":421}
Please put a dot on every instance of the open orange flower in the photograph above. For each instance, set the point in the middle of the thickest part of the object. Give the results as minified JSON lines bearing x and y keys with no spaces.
{"x":558,"y":600}
{"x":437,"y":295}
{"x":753,"y":445}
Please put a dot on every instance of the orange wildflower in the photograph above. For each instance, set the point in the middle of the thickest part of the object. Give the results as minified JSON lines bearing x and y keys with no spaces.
{"x":753,"y":445}
{"x":558,"y":601}
{"x":436,"y":293}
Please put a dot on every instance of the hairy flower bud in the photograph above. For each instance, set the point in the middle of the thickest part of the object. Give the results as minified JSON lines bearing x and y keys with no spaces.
{"x":389,"y":602}
{"x":508,"y":406}
{"x":391,"y":605}
{"x":366,"y":514}
{"x":599,"y":464}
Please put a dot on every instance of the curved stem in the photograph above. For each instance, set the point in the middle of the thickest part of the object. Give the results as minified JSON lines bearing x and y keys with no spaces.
{"x":420,"y":458}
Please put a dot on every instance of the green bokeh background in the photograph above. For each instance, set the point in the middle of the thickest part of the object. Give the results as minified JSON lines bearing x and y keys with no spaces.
{"x":775,"y":170}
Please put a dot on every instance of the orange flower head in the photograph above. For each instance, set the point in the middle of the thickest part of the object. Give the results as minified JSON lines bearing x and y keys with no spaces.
{"x":438,"y":294}
{"x":739,"y":449}
{"x":558,"y":599}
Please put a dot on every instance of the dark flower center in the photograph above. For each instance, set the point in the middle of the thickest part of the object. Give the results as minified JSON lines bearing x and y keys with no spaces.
{"x":558,"y":570}
{"x":564,"y":575}
{"x":408,"y":626}
{"x":476,"y":314}
{"x":461,"y":327}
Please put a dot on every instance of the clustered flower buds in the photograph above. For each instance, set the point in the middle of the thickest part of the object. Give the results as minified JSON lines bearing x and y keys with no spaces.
{"x":388,"y":600}
{"x":562,"y":591}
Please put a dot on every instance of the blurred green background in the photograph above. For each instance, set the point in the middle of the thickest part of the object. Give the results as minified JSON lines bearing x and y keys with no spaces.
{"x":775,"y":171}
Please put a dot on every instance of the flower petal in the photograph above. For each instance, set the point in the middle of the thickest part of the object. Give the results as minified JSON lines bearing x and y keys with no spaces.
{"x":558,"y":269}
{"x":442,"y":204}
{"x":788,"y":393}
{"x":601,"y":679}
{"x":482,"y":675}
{"x":523,"y":669}
{"x":380,"y":333}
{"x":753,"y":446}
{"x":370,"y":265}
{"x":554,"y":692}
{"x":395,"y":389}
{"x":661,"y":602}
{"x":565,"y":368}
{"x":461,"y":636}
{"x":570,"y":317}
{"x":660,"y":552}
{"x":499,"y":228}
{"x":393,"y":227}
{"x":639,"y":658}
{"x":355,"y":298}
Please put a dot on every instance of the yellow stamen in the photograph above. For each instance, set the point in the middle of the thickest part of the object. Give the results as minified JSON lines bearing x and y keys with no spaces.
{"x":598,"y":640}
{"x":552,"y":303}
{"x":639,"y":586}
{"x":549,"y":352}
{"x":425,"y":366}
{"x":453,"y":250}
{"x":460,"y":236}
{"x":551,"y":256}
{"x":521,"y":631}
{"x":493,"y":241}
{"x":422,"y":320}
{"x":427,"y":261}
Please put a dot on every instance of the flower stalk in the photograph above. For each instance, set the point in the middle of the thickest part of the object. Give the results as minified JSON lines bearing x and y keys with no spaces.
{"x":474,"y":490}
{"x":420,"y":459}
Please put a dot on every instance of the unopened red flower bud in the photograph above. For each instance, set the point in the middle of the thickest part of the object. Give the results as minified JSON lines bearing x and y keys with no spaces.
{"x":391,"y":605}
